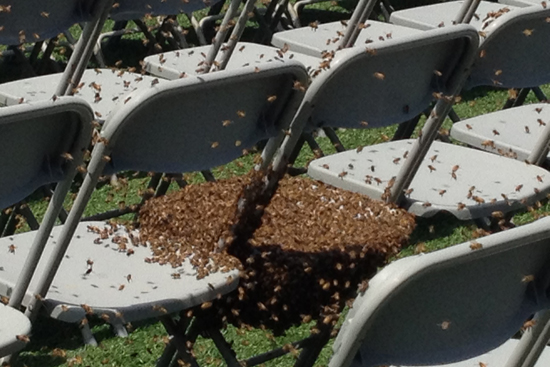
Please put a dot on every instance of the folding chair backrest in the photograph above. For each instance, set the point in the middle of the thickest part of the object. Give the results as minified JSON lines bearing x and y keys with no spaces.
{"x":30,"y":21}
{"x":36,"y":143}
{"x":136,"y":9}
{"x":450,"y":305}
{"x":515,"y":52}
{"x":206,"y":124}
{"x":189,"y":124}
{"x":393,"y":82}
{"x":41,"y":143}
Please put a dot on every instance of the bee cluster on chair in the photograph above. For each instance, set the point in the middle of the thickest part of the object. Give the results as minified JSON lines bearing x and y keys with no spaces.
{"x":315,"y":246}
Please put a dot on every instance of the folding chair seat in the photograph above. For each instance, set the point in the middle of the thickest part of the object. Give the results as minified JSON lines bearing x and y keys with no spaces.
{"x":308,"y":47}
{"x":39,"y":143}
{"x":513,"y":132}
{"x":314,"y":40}
{"x":521,"y":3}
{"x":13,"y":323}
{"x":101,"y":88}
{"x":172,"y":128}
{"x":443,"y":14}
{"x":467,"y":183}
{"x":455,"y":307}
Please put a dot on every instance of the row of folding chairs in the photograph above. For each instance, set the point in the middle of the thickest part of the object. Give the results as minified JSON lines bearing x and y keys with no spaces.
{"x":376,"y":77}
{"x":353,"y":71}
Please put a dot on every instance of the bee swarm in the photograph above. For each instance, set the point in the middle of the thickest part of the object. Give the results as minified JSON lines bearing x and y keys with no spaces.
{"x":315,"y":246}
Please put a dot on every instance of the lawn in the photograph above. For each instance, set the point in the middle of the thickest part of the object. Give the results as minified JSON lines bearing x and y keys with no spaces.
{"x":59,"y":344}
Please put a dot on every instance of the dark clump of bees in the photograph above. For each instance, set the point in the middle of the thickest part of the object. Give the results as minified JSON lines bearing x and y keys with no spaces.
{"x":314,"y":247}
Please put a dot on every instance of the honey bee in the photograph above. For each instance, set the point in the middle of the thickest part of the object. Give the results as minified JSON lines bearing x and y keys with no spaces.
{"x":396,"y":160}
{"x":342,"y":174}
{"x":299,"y":86}
{"x":23,"y":338}
{"x":518,"y":188}
{"x":528,"y":32}
{"x":160,"y":309}
{"x":379,"y":76}
{"x":87,"y":309}
{"x":469,"y":127}
{"x":528,"y":325}
{"x":461,"y":206}
{"x":497,"y":214}
{"x":206,"y":305}
{"x":528,"y":279}
{"x":527,"y":129}
{"x":475,"y":245}
{"x":426,"y":204}
{"x":433,"y":158}
{"x":495,"y":132}
{"x":431,"y":168}
{"x":442,"y":192}
{"x":371,"y":51}
{"x":314,"y":25}
{"x":408,"y":192}
{"x":363,"y":286}
{"x":541,"y":123}
{"x":11,"y":249}
{"x":478,"y":199}
{"x":215,"y":145}
{"x":445,"y":325}
{"x":271,"y":99}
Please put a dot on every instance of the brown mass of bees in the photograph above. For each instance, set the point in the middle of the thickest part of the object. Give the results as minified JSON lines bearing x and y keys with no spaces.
{"x":315,"y":246}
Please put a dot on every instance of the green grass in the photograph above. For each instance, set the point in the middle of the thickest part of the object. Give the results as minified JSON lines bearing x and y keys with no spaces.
{"x":146,"y":342}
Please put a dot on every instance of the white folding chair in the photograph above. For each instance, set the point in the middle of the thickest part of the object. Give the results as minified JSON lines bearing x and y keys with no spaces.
{"x":512,"y":59}
{"x":458,"y":306}
{"x":444,"y":14}
{"x":165,"y":128}
{"x":468,"y":183}
{"x":41,"y":143}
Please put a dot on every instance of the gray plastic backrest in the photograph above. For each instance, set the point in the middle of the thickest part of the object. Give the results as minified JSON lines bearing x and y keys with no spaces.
{"x":33,"y":138}
{"x":35,"y":20}
{"x":515,"y":53}
{"x":449,"y":305}
{"x":393,"y":82}
{"x":201,"y":122}
{"x":136,"y":9}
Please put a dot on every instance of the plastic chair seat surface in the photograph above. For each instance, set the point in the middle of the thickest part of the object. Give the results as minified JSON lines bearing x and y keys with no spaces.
{"x":443,"y":14}
{"x":176,"y":64}
{"x":433,"y":187}
{"x":511,"y":132}
{"x":520,"y":3}
{"x":12,"y":323}
{"x":102,"y":89}
{"x":118,"y":282}
{"x":325,"y":37}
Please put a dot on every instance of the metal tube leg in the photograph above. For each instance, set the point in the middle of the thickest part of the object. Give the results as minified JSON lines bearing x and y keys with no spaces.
{"x":87,"y":335}
{"x":310,"y":354}
{"x":167,"y":356}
